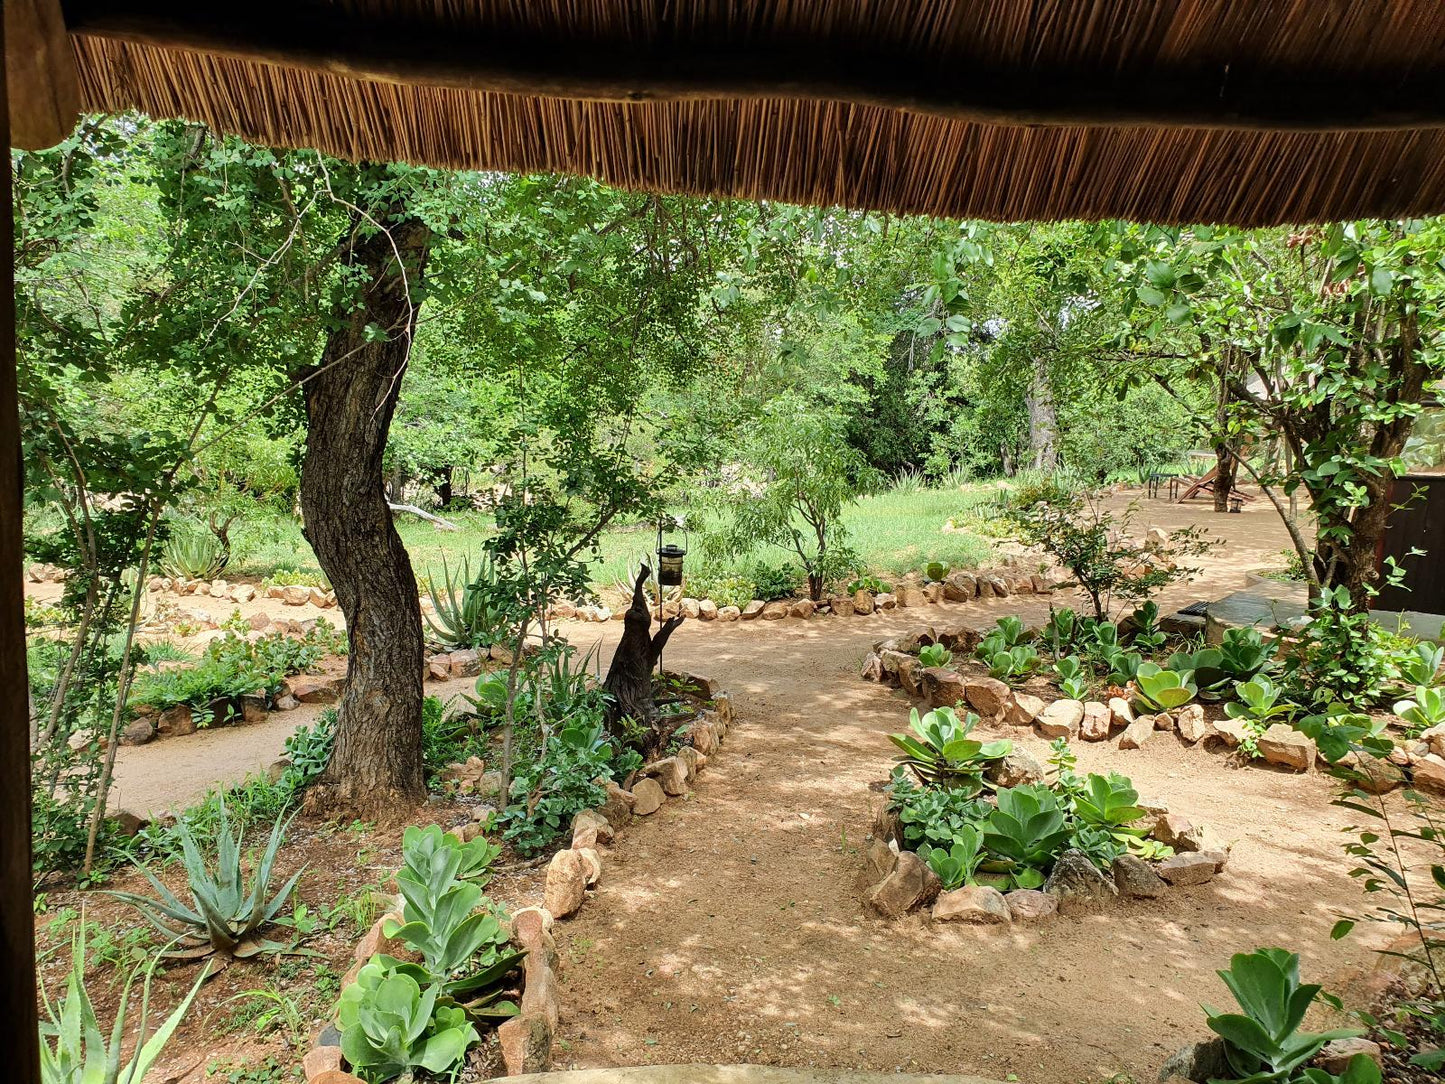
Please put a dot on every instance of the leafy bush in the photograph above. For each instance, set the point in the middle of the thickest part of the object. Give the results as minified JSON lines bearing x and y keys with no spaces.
{"x":1162,"y":690}
{"x":1096,"y":546}
{"x":1144,"y":621}
{"x":935,"y":655}
{"x":192,"y":554}
{"x":390,"y":1025}
{"x":872,"y":584}
{"x":724,"y":588}
{"x":80,"y":1054}
{"x":1263,"y":1042}
{"x":774,"y":582}
{"x":942,"y":754}
{"x":1343,"y":656}
{"x":225,"y":915}
{"x":234,"y":666}
{"x":933,"y":816}
{"x":309,"y":750}
{"x":553,"y":789}
{"x":1399,"y":856}
{"x":937,"y":571}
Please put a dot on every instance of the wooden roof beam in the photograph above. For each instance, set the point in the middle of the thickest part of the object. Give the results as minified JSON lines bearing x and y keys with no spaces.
{"x":415,"y":52}
{"x":40,"y":77}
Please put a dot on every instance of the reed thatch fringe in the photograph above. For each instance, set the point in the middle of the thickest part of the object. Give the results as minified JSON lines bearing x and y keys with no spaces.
{"x":851,"y":154}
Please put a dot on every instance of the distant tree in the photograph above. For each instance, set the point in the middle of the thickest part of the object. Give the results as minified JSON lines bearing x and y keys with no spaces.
{"x":803,"y":472}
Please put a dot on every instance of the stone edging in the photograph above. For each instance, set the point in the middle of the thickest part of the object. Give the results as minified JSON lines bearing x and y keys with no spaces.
{"x":959,"y":586}
{"x":894,"y":661}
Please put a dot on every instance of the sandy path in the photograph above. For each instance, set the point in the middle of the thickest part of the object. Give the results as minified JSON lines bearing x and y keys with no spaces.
{"x":727,"y":928}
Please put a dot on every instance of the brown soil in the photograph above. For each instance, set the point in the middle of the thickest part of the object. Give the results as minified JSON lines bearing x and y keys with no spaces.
{"x":727,"y":927}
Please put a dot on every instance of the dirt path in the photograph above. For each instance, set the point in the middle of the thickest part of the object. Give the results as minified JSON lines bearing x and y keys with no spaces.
{"x":727,"y":928}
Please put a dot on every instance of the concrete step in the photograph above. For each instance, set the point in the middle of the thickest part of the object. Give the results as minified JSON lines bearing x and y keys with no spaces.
{"x":731,"y":1074}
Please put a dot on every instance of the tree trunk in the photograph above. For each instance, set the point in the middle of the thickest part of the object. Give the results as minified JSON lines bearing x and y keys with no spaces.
{"x":1224,"y":474}
{"x":629,"y":678}
{"x":1043,"y":421}
{"x":376,"y":764}
{"x":442,"y":483}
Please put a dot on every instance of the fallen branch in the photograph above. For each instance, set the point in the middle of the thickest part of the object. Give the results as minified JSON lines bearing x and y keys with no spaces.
{"x":444,"y":524}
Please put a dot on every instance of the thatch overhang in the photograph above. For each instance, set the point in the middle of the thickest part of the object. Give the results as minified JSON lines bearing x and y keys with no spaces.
{"x":1163,"y":110}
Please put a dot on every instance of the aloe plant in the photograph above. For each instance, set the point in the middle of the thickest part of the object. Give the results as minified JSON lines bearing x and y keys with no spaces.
{"x":1263,"y":1043}
{"x":941,"y":753}
{"x":957,"y":865}
{"x":390,"y":1024}
{"x":1023,"y":834}
{"x":73,"y":1049}
{"x":1072,"y":680}
{"x":463,"y":613}
{"x":1163,"y":690}
{"x":193,"y":555}
{"x":935,"y":655}
{"x":1426,"y":710}
{"x":225,"y":915}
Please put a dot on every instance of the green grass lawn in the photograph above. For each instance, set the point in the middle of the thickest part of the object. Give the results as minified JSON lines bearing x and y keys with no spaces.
{"x":894,"y":533}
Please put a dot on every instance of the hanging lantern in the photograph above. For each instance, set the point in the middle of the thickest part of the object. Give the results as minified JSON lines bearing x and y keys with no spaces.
{"x":1236,"y":504}
{"x":669,"y":565}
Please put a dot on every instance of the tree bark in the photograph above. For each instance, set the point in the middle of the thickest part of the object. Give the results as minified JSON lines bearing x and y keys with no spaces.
{"x":629,"y":678}
{"x":376,"y":764}
{"x":1043,"y":421}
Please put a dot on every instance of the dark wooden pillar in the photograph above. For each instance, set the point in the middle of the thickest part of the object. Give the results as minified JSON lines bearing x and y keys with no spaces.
{"x":17,"y":922}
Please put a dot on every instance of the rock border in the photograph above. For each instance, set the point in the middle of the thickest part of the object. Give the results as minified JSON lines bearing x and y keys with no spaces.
{"x":1036,"y":705}
{"x":527,"y":1038}
{"x":910,"y":593}
{"x":894,"y":881}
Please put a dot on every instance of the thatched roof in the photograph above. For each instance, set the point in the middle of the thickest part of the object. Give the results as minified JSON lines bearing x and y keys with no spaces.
{"x":1165,"y":110}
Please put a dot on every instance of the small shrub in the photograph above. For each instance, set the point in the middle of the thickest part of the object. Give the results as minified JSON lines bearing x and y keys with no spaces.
{"x":774,"y":582}
{"x":1096,"y":546}
{"x":1425,"y":710}
{"x":872,"y":584}
{"x":935,"y":655}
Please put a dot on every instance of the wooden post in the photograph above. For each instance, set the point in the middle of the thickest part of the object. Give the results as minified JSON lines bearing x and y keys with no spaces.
{"x":17,"y":921}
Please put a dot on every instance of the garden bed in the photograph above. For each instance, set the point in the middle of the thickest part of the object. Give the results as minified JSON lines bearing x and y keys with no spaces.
{"x":982,"y":833}
{"x":1005,"y":676}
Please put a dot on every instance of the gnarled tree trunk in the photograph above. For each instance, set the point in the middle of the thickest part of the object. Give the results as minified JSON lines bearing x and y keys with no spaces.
{"x":629,"y":678}
{"x":376,"y":764}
